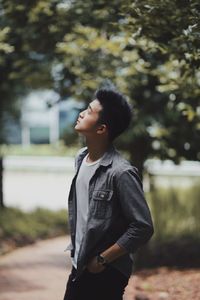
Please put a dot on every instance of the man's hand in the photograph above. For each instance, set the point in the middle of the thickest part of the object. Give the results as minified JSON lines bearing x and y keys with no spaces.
{"x":94,"y":267}
{"x":110,"y":254}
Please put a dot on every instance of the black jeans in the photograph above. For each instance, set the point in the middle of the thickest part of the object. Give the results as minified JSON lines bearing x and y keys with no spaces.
{"x":106,"y":285}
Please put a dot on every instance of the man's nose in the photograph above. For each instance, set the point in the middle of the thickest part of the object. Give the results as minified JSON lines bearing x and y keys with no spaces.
{"x":81,"y":115}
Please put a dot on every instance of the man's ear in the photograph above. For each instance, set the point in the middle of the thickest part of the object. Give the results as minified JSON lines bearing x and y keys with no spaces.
{"x":102,"y":129}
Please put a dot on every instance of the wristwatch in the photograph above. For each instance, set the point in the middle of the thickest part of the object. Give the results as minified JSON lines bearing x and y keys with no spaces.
{"x":101,"y":260}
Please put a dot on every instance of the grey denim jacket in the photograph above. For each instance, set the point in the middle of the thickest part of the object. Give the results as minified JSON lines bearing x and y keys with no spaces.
{"x":118,"y":212}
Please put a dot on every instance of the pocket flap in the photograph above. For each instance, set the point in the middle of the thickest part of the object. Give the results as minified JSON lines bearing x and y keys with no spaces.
{"x":103,"y":195}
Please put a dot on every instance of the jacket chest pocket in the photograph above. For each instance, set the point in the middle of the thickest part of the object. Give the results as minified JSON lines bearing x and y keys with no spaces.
{"x":101,"y":204}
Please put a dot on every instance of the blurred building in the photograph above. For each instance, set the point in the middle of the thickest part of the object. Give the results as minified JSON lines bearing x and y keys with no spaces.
{"x":44,"y":118}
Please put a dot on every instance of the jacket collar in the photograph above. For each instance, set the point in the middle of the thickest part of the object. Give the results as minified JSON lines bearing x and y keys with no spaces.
{"x":106,"y":159}
{"x":108,"y":156}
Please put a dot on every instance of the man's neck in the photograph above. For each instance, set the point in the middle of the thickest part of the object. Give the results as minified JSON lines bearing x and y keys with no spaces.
{"x":96,"y":149}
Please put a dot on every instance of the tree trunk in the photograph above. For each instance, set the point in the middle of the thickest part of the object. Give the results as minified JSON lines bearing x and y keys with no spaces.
{"x":138,"y":156}
{"x":138,"y":162}
{"x":1,"y":183}
{"x":139,"y":150}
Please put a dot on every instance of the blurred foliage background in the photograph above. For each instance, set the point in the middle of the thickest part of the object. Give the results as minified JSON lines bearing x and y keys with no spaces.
{"x":18,"y":228}
{"x":149,"y":49}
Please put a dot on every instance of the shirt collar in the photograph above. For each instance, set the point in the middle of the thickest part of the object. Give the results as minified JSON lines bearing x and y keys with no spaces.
{"x":106,"y":159}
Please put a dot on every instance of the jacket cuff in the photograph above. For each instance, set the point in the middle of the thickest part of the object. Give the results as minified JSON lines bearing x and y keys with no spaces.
{"x":126,"y":244}
{"x":126,"y":241}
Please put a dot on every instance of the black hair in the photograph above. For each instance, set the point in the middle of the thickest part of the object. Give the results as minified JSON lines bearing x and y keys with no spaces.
{"x":116,"y":112}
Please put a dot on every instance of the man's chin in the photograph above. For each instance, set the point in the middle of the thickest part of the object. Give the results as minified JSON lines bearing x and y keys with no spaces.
{"x":76,"y":128}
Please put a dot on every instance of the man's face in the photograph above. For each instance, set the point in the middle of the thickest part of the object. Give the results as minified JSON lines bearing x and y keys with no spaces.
{"x":87,"y":122}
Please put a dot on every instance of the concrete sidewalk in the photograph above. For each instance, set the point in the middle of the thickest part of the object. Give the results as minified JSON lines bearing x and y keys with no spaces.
{"x":38,"y":272}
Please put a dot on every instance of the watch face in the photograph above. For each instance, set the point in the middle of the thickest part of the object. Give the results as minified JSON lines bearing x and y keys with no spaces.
{"x":101,"y":259}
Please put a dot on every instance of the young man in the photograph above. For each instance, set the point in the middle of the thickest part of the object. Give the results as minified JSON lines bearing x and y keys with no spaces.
{"x":108,"y":215}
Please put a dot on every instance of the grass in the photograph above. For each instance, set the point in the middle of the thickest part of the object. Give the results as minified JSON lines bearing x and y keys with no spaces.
{"x":39,"y":150}
{"x":176,"y":239}
{"x":175,"y":212}
{"x":18,"y":228}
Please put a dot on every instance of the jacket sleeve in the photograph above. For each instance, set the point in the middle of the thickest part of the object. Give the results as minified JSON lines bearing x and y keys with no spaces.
{"x":135,"y":210}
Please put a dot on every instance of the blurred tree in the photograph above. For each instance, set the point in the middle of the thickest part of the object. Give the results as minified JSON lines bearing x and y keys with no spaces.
{"x":28,"y":36}
{"x":150,"y":50}
{"x":174,"y":29}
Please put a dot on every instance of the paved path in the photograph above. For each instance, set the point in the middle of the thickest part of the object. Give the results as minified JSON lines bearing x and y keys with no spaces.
{"x":38,"y":272}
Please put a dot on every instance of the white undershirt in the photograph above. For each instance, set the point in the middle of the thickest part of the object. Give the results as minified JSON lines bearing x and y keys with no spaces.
{"x":85,"y":173}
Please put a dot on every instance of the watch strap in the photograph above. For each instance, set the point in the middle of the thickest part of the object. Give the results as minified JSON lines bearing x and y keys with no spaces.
{"x":102,"y":260}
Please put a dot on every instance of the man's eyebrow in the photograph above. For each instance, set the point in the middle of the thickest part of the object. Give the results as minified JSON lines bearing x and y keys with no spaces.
{"x":90,"y":107}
